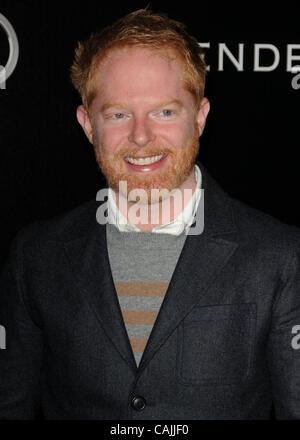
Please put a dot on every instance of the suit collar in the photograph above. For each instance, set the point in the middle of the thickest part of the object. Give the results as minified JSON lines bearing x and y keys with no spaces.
{"x":219,"y":215}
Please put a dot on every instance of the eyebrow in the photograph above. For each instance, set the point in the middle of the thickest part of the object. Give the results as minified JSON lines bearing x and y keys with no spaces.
{"x":112,"y":105}
{"x":172,"y":102}
{"x":118,"y":105}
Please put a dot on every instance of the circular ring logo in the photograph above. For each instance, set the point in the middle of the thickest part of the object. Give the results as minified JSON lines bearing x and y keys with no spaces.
{"x":13,"y":49}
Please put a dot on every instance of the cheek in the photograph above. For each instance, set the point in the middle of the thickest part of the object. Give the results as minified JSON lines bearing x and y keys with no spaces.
{"x":177,"y":135}
{"x":110,"y":139}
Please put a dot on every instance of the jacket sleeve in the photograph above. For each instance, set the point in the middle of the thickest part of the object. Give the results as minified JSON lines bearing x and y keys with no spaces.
{"x":20,"y":342}
{"x":284,"y":341}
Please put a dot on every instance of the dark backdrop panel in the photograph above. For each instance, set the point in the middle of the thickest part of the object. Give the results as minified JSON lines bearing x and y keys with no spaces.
{"x":250,"y":144}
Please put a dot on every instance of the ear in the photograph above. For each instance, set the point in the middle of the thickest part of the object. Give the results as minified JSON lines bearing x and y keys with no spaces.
{"x":202,"y":114}
{"x":84,"y":121}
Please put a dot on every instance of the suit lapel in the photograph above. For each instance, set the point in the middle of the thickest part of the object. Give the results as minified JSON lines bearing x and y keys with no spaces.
{"x":89,"y":262}
{"x":202,"y":258}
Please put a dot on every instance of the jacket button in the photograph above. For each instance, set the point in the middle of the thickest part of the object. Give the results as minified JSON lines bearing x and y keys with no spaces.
{"x":138,"y":403}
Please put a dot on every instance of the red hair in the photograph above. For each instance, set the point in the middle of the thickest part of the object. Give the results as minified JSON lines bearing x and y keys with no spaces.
{"x":145,"y":29}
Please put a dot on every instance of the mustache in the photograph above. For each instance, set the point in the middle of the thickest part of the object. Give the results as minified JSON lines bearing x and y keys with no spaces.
{"x":140,"y":152}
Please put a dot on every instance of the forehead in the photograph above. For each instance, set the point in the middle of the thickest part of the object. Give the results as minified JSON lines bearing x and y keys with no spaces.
{"x":136,"y":72}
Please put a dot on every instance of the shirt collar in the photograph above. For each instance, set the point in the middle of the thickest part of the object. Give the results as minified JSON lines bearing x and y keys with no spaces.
{"x":181,"y":223}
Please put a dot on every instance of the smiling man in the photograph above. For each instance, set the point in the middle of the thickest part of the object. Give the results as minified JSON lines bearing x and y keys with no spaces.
{"x":141,"y":319}
{"x":144,"y":124}
{"x":144,"y":112}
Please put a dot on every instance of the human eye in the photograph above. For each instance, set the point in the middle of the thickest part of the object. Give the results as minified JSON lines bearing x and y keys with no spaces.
{"x":114,"y":115}
{"x":167,"y":112}
{"x":118,"y":116}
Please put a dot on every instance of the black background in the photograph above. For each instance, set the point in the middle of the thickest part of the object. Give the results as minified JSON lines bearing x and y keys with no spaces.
{"x":250,"y":144}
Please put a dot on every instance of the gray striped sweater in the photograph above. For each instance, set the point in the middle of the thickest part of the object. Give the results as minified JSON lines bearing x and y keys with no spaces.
{"x":142,"y":265}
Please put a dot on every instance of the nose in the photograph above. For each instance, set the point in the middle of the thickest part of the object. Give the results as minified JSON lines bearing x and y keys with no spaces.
{"x":141,"y":132}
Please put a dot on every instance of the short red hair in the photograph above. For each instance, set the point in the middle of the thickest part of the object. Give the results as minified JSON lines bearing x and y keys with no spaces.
{"x":145,"y":29}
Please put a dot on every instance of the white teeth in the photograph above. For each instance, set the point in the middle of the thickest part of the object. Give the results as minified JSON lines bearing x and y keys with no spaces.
{"x":143,"y":161}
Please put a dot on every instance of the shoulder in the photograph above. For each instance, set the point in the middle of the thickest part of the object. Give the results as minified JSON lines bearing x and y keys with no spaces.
{"x":225,"y":212}
{"x":261,"y":237}
{"x":255,"y":225}
{"x":274,"y":245}
{"x":64,"y":227}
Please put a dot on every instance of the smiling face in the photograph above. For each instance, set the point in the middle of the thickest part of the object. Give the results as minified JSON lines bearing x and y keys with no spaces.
{"x":142,"y":110}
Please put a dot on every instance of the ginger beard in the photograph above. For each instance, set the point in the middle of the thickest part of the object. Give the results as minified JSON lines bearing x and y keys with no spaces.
{"x":180,"y":164}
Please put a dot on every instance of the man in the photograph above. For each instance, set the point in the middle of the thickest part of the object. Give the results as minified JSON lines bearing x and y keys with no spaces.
{"x":139,"y":317}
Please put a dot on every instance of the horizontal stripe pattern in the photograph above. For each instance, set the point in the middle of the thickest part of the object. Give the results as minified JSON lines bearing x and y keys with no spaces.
{"x":142,"y":265}
{"x":140,"y":304}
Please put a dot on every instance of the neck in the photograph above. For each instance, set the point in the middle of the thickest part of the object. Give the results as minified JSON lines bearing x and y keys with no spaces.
{"x":146,"y":217}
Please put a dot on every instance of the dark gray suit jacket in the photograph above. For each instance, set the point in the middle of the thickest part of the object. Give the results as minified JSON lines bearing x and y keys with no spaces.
{"x":221,"y":347}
